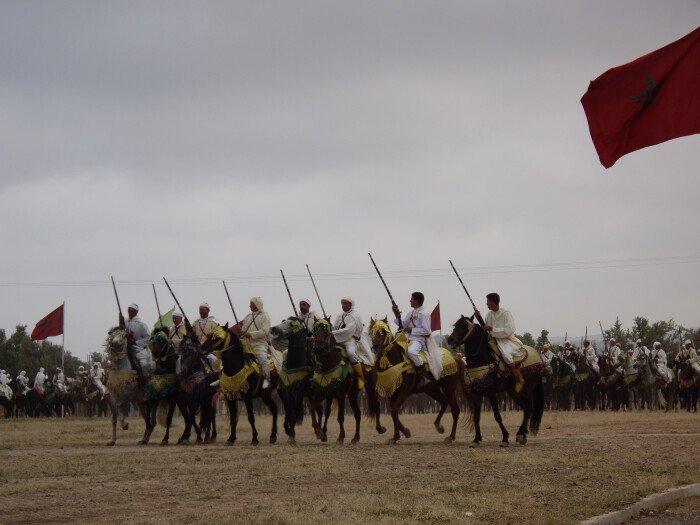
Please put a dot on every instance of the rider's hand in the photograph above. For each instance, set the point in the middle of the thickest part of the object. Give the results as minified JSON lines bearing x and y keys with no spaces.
{"x":395,"y":309}
{"x":488,"y":328}
{"x":408,"y":329}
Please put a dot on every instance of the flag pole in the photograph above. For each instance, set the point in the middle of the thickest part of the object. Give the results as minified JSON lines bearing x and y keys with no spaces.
{"x":63,"y":338}
{"x":440,"y":311}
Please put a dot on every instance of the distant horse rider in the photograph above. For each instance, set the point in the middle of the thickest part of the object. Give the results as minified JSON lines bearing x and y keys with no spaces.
{"x":256,"y":329}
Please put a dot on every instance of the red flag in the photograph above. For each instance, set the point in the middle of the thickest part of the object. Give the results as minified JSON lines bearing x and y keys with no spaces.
{"x":50,"y":325}
{"x":435,"y":318}
{"x":647,"y":101}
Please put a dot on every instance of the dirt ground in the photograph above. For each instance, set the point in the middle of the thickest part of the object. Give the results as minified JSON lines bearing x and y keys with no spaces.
{"x":581,"y":465}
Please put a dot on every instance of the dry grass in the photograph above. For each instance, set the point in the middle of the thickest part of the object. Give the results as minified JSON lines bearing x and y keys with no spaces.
{"x":582,"y":464}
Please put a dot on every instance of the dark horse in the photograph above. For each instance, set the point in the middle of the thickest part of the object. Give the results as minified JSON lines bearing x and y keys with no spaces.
{"x":195,"y":377}
{"x":484,"y":381}
{"x":397,"y":380}
{"x":163,"y":387}
{"x":332,"y":380}
{"x":241,"y":379}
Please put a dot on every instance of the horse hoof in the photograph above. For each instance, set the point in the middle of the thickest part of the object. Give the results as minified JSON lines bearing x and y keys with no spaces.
{"x":324,"y":438}
{"x":143,"y":442}
{"x":392,"y":441}
{"x":504,"y":444}
{"x":381,"y":430}
{"x":439,"y":428}
{"x":163,"y":443}
{"x":339,"y":441}
{"x":110,"y":443}
{"x":255,"y":442}
{"x":448,"y":440}
{"x":406,"y":432}
{"x":183,"y":441}
{"x":230,"y":442}
{"x":354,"y":441}
{"x":273,"y":440}
{"x":523,"y":440}
{"x":291,"y":441}
{"x":474,"y":444}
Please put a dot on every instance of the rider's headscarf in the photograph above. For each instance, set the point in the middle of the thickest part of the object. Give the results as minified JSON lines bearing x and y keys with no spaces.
{"x":257,"y":301}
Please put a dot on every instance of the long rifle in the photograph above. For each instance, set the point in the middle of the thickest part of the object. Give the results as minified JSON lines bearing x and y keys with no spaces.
{"x":176,"y":301}
{"x":605,"y":341}
{"x":393,"y":303}
{"x":230,"y":303}
{"x":316,"y":290}
{"x":296,"y":314}
{"x":478,"y":316}
{"x":119,"y":306}
{"x":160,"y":317}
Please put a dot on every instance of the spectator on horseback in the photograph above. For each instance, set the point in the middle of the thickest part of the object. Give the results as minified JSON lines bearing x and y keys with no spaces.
{"x":5,"y":380}
{"x":178,"y":331}
{"x":641,"y":349}
{"x":347,"y":331}
{"x":97,"y":374}
{"x":256,"y":329}
{"x":501,"y":326}
{"x":569,"y":351}
{"x":39,"y":380}
{"x":688,"y":353}
{"x":59,"y":380}
{"x":591,"y":357}
{"x":23,"y":382}
{"x":205,"y":324}
{"x":417,"y":325}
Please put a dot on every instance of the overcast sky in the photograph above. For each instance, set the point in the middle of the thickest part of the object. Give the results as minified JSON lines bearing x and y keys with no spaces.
{"x":228,"y":140}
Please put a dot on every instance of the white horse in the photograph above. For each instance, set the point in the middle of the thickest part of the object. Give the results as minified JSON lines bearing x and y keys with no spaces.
{"x":123,"y":382}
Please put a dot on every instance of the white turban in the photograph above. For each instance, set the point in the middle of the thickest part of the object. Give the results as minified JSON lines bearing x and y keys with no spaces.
{"x":305,"y":300}
{"x":204,"y":305}
{"x":612,"y":340}
{"x":176,"y":313}
{"x":257,"y":302}
{"x":639,"y":341}
{"x":23,"y":373}
{"x":656,"y":343}
{"x":688,"y":342}
{"x":134,"y":306}
{"x":567,"y":342}
{"x":348,"y":299}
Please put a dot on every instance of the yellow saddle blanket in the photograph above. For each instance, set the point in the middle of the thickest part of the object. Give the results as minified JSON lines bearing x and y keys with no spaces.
{"x":526,"y":358}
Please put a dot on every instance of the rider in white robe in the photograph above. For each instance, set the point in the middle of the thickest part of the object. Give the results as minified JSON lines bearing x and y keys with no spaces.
{"x":591,"y":357}
{"x":658,"y":356}
{"x":688,"y":353}
{"x":23,"y":382}
{"x":347,"y":331}
{"x":5,"y":381}
{"x":39,"y":379}
{"x":59,"y":380}
{"x":417,"y":325}
{"x":205,"y":324}
{"x":501,"y":326}
{"x":97,"y":375}
{"x":178,"y":331}
{"x":256,"y":329}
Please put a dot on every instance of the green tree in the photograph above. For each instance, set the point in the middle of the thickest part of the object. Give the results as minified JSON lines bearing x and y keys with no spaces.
{"x":527,"y":339}
{"x":542,"y":339}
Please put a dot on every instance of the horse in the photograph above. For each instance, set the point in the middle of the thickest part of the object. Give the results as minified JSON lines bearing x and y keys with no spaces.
{"x":482,"y":378}
{"x":562,"y":382}
{"x":650,"y":383}
{"x":332,"y":380}
{"x":584,"y":385}
{"x":124,"y":383}
{"x":610,"y":383}
{"x":37,"y":402}
{"x":163,"y":389}
{"x":9,"y":405}
{"x":688,"y":385}
{"x":240,"y":378}
{"x":397,"y":379}
{"x":195,"y":376}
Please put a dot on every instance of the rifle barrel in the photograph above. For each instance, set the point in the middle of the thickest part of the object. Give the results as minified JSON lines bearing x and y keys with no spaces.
{"x":316,"y":290}
{"x":114,"y":286}
{"x":393,"y":303}
{"x":230,"y":302}
{"x":294,"y":306}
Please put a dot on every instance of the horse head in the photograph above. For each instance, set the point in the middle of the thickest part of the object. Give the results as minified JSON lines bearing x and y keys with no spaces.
{"x":323,"y":335}
{"x":461,"y":331}
{"x":287,"y":328}
{"x":218,"y":340}
{"x":160,"y":344}
{"x":380,"y":334}
{"x":117,"y":343}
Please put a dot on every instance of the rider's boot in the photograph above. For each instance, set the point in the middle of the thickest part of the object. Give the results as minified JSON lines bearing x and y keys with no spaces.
{"x":360,"y":375}
{"x":519,"y":381}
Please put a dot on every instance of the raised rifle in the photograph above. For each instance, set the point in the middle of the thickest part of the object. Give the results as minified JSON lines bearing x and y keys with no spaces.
{"x":478,"y":316}
{"x":230,"y":303}
{"x":294,"y":306}
{"x":393,"y":303}
{"x":316,"y":290}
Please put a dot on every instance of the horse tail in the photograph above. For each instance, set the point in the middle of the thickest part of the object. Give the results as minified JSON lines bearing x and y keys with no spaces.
{"x":162,"y":412}
{"x":537,"y":407}
{"x":298,"y":401}
{"x":373,"y":407}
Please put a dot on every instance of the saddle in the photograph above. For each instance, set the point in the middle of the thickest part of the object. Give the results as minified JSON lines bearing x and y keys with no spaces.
{"x":526,"y":359}
{"x":39,"y":391}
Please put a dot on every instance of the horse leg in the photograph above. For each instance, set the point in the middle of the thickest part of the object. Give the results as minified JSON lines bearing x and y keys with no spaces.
{"x":169,"y":420}
{"x":526,"y":406}
{"x":185,"y":413}
{"x":270,"y":403}
{"x":499,"y":420}
{"x":315,"y":423}
{"x":341,"y":419}
{"x":476,"y":401}
{"x":352,"y":397}
{"x":433,"y":390}
{"x":454,"y":408}
{"x":326,"y":416}
{"x":395,"y":402}
{"x":113,"y":441}
{"x":373,"y":401}
{"x":233,"y":419}
{"x":149,"y":417}
{"x":251,"y":419}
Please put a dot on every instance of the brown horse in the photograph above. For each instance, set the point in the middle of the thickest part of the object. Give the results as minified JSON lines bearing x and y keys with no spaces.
{"x":397,"y":379}
{"x":484,"y":380}
{"x":332,"y":380}
{"x":585,"y":393}
{"x":241,"y":379}
{"x":688,"y":385}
